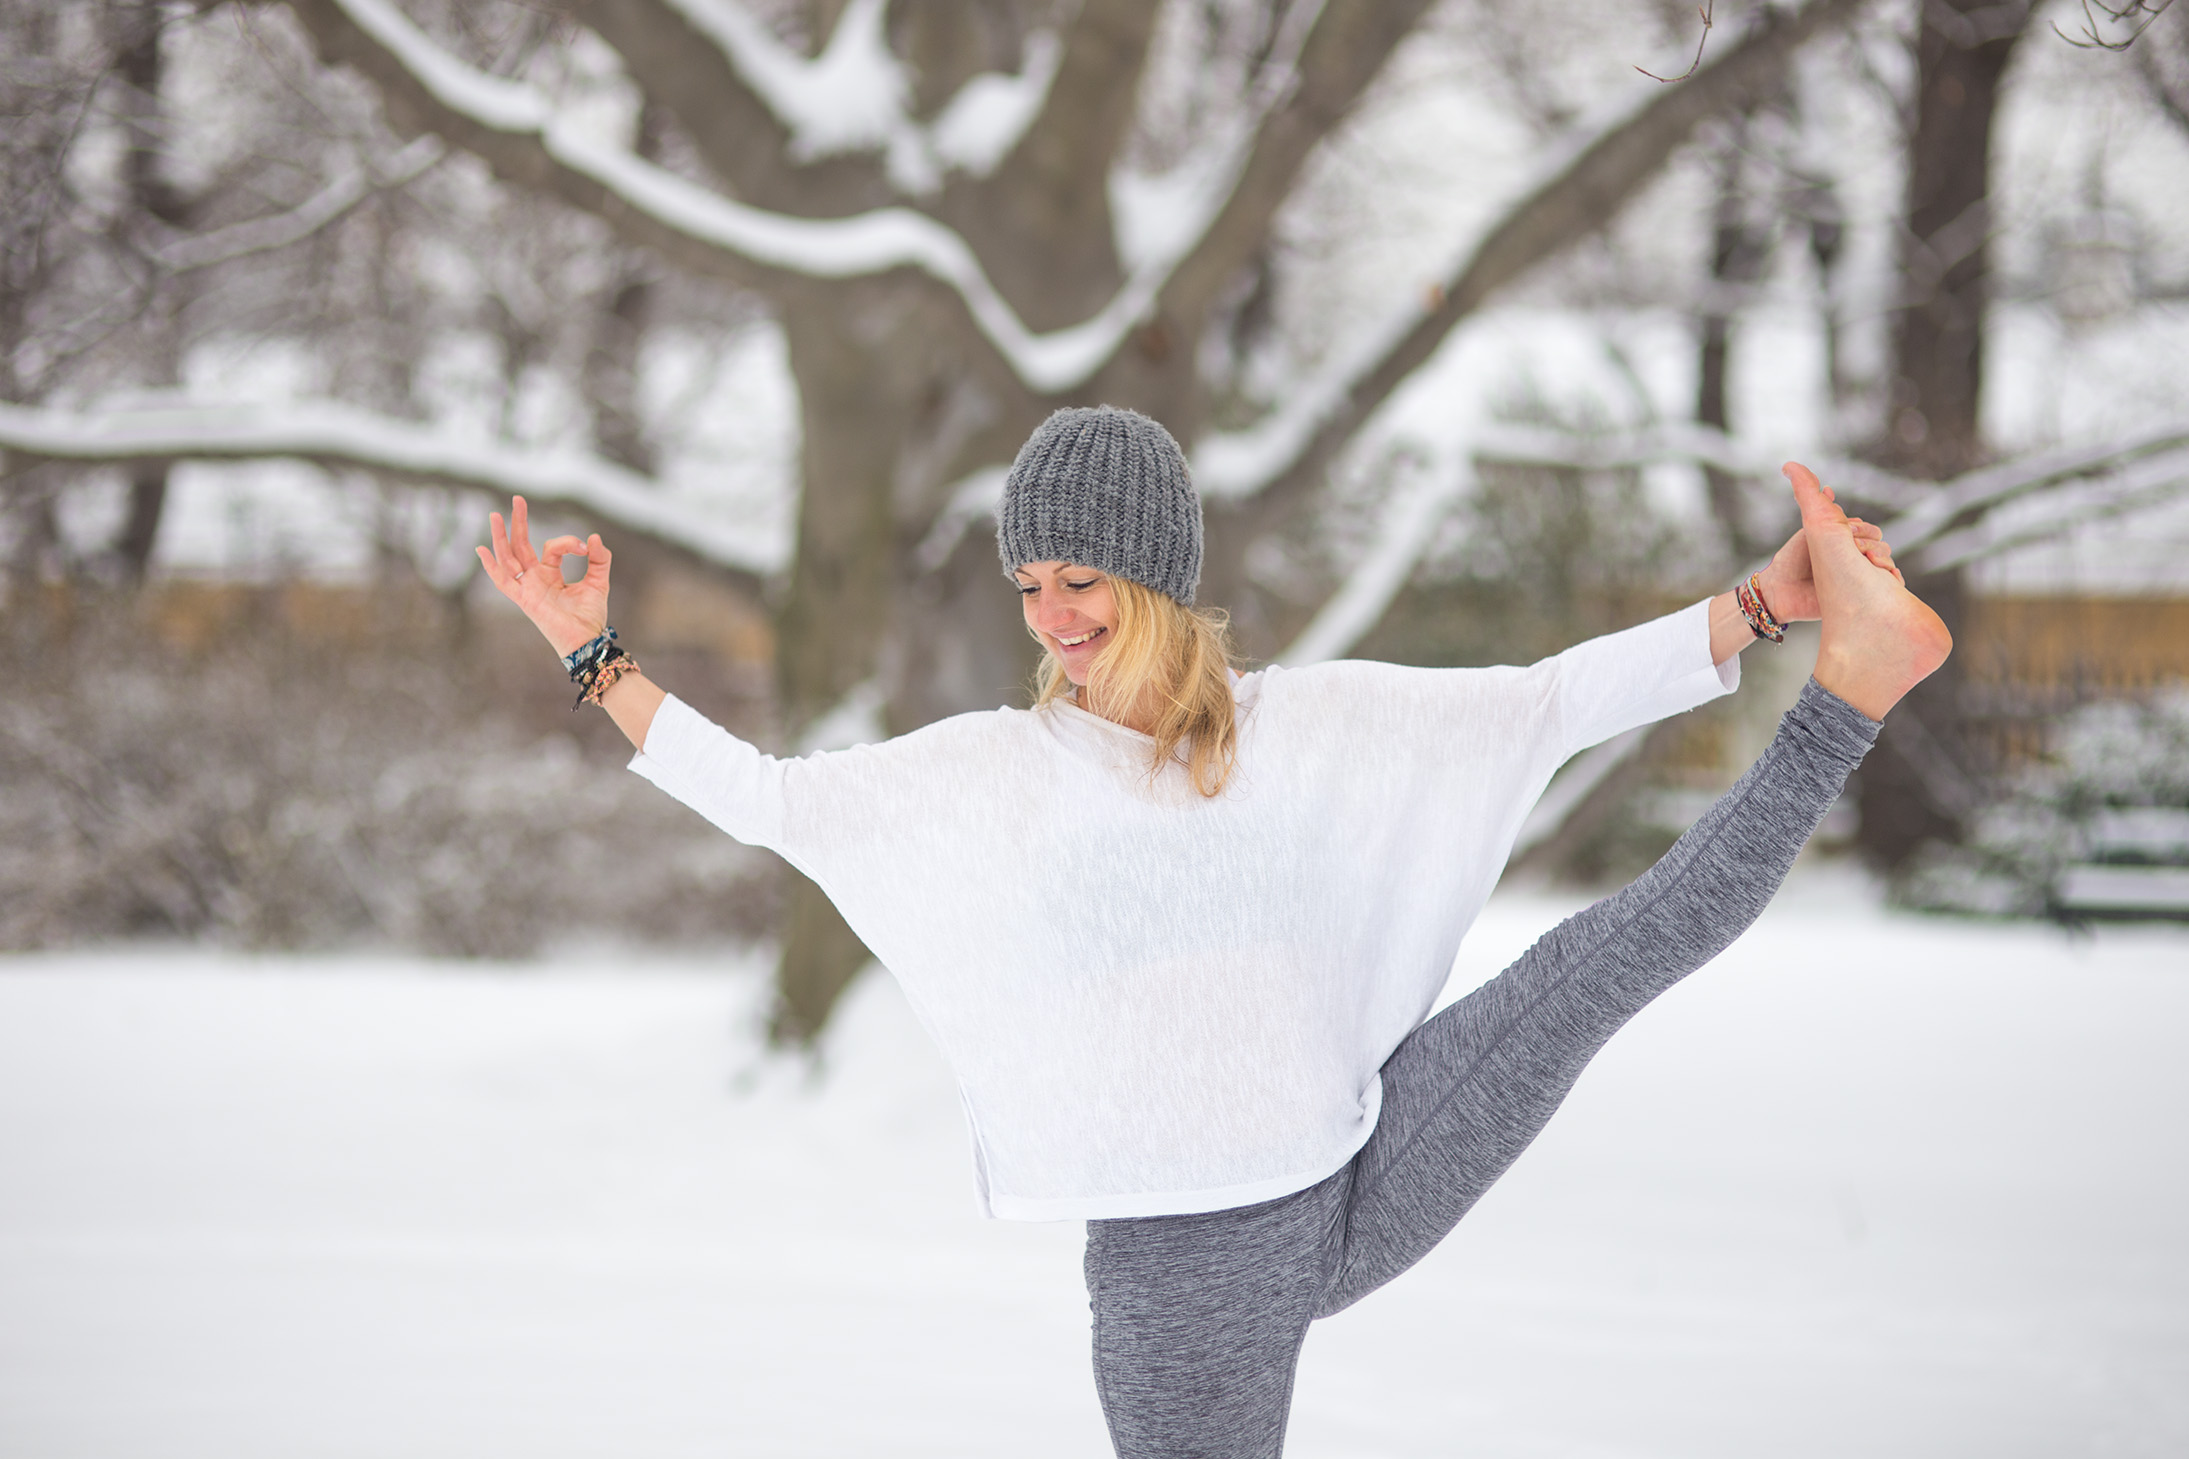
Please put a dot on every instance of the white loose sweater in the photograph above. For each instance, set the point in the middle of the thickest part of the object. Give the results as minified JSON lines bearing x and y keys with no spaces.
{"x":1157,"y":1002}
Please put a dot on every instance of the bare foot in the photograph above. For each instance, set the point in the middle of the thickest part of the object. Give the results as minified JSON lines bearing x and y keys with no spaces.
{"x":1880,"y":640}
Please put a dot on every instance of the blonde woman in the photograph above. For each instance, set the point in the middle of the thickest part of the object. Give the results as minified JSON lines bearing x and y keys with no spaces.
{"x":1177,"y":929}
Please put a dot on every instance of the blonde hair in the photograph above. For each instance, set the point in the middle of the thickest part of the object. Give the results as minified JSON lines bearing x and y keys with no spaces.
{"x":1179,"y":658}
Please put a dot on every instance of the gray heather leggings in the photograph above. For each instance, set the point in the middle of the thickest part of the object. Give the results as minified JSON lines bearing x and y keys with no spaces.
{"x":1198,"y":1319}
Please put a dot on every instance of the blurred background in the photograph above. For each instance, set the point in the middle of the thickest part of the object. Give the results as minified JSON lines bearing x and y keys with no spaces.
{"x":1485,"y":328}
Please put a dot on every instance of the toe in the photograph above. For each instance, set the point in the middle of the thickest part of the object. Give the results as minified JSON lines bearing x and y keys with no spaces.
{"x":1817,"y":508}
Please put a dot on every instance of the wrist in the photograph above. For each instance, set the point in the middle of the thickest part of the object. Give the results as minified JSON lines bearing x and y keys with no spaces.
{"x":567,"y":642}
{"x":1778,"y":595}
{"x":1762,"y":622}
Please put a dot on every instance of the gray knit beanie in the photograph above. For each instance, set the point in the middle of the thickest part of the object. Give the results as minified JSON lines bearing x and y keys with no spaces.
{"x":1106,"y":488}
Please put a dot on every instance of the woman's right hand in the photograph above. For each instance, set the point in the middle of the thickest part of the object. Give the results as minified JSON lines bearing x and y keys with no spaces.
{"x":569,"y":615}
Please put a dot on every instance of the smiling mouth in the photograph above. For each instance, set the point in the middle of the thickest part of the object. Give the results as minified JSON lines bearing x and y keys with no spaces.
{"x":1089,"y":635}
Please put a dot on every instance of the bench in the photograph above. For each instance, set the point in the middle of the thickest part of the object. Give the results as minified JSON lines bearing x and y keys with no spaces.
{"x":2137,"y":865}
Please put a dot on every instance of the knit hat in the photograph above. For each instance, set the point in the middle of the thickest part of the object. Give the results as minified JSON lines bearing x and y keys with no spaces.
{"x":1108,"y":489}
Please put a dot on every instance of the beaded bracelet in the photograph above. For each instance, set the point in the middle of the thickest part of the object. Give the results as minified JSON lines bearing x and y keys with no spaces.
{"x":1760,"y":622}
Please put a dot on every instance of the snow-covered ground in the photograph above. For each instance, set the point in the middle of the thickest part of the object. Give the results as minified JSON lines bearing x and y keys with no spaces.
{"x":1869,"y":1185}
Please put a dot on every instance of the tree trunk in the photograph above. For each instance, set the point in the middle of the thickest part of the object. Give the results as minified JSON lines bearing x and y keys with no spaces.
{"x":888,"y":413}
{"x":1740,"y":246}
{"x":141,"y":65}
{"x":141,"y":525}
{"x":1916,"y":786}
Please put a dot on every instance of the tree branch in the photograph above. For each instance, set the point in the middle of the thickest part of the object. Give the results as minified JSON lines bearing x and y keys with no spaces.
{"x":1355,"y":609}
{"x":1580,"y":199}
{"x":679,"y":64}
{"x":1345,"y":48}
{"x":517,"y":132}
{"x":329,"y":433}
{"x":325,"y":207}
{"x":2040,"y":513}
{"x":1964,"y":500}
{"x":1037,"y":204}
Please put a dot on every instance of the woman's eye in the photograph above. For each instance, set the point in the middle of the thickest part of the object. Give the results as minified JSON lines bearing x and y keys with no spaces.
{"x":1027,"y":590}
{"x":1082,"y":587}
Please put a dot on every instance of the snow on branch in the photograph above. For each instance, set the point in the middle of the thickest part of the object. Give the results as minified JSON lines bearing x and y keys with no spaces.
{"x":328,"y":205}
{"x":658,"y":207}
{"x":1571,"y":790}
{"x":1952,"y":504}
{"x":2062,"y":503}
{"x":1407,"y":530}
{"x":1580,"y":191}
{"x":852,"y":97}
{"x":1410,"y":526}
{"x":333,"y":434}
{"x":1229,"y":466}
{"x":1686,"y":441}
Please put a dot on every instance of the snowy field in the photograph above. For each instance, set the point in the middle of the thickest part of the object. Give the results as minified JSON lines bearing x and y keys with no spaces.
{"x":1868,"y":1186}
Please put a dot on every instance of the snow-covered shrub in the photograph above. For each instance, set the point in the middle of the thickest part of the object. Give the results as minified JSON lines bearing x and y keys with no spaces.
{"x":277,"y":792}
{"x":2107,"y":758}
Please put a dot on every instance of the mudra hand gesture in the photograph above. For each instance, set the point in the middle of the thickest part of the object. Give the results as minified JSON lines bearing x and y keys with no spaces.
{"x":571,"y":615}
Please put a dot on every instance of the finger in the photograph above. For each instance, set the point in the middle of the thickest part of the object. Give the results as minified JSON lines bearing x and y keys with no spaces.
{"x":493,"y":570}
{"x":552,"y":554}
{"x":1864,"y":529}
{"x":520,"y":535}
{"x":499,"y":536}
{"x":597,"y":558}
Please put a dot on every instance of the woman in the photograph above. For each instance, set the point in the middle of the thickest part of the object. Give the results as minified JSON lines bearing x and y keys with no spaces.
{"x":1176,"y":929}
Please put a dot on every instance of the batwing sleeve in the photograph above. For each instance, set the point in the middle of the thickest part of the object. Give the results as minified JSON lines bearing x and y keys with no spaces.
{"x":1638,"y":676}
{"x":717,"y":774}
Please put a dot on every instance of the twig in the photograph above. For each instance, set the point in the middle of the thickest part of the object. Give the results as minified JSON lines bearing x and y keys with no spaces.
{"x":2092,"y":40}
{"x":1704,"y":11}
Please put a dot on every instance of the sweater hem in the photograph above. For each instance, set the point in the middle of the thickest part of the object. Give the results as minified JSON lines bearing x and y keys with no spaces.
{"x":1004,"y":1206}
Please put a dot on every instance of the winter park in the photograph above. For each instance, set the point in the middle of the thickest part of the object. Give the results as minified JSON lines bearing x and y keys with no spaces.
{"x":1432,"y":902}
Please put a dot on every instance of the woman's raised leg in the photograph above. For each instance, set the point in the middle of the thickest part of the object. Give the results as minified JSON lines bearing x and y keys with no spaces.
{"x":1468,"y":1090}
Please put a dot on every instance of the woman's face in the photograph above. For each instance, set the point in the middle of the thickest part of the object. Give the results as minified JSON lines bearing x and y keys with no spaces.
{"x":1070,"y":610}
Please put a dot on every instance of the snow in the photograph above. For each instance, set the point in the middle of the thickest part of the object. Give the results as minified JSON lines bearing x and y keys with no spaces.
{"x":849,"y":98}
{"x":1574,"y":782}
{"x":330,"y":431}
{"x":860,"y":246}
{"x":1869,"y":1185}
{"x":852,"y":97}
{"x":1405,"y":532}
{"x":991,"y":111}
{"x":1158,"y":217}
{"x":495,"y":101}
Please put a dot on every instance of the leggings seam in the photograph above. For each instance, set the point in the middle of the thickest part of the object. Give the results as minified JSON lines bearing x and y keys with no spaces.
{"x":1581,"y":965}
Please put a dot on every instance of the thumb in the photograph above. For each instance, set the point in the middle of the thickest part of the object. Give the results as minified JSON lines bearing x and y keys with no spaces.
{"x":597,"y":558}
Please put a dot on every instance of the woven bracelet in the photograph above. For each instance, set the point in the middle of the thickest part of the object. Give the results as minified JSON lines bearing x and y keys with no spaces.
{"x":590,"y":653}
{"x":1760,"y":622}
{"x":603,"y":674}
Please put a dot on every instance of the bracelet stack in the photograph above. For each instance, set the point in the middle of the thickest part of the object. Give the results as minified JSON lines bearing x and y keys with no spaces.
{"x":1760,"y":622}
{"x":596,"y":666}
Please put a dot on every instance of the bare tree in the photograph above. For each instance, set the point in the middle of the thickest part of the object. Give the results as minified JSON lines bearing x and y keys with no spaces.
{"x":922,"y":196}
{"x":1920,"y":784}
